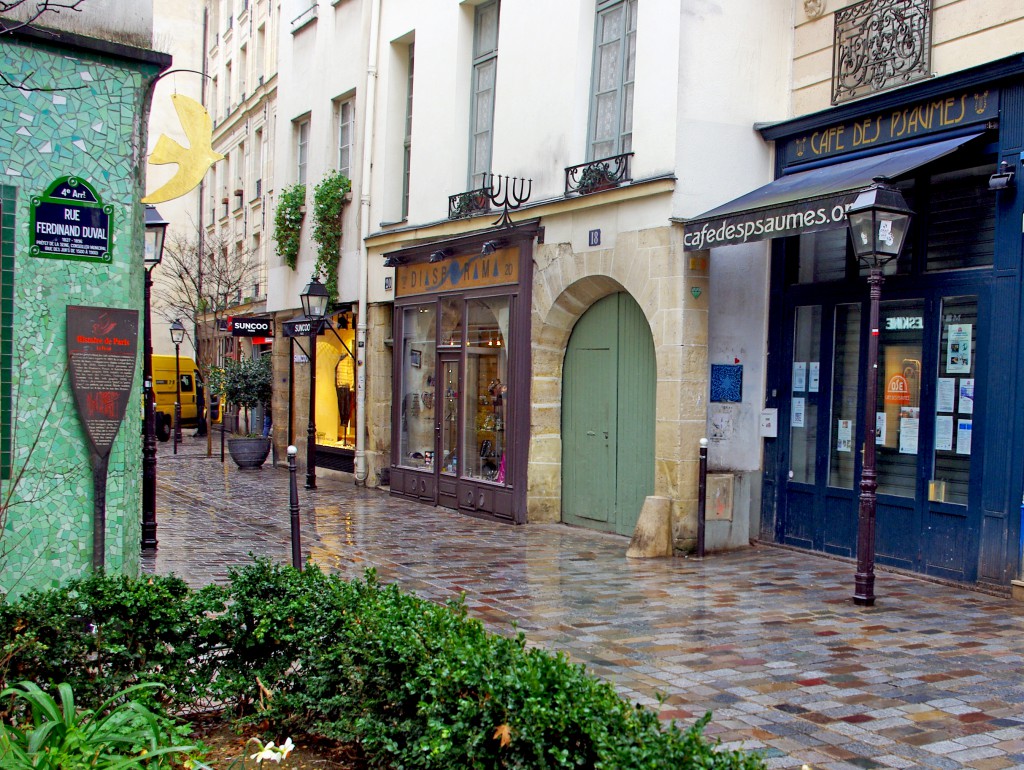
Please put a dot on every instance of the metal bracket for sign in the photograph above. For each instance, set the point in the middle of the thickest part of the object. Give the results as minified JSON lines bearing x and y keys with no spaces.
{"x":70,"y":221}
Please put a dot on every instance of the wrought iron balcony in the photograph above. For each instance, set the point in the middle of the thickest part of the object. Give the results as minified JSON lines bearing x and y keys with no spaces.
{"x":464,"y":204}
{"x":597,"y":175}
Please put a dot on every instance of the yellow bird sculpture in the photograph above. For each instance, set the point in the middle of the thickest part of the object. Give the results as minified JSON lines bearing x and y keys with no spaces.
{"x":192,"y":161}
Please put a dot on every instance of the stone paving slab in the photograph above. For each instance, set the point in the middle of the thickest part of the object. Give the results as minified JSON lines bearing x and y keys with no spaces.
{"x":767,"y":639}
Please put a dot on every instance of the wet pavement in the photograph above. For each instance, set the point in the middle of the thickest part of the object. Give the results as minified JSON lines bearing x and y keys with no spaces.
{"x":766,"y":638}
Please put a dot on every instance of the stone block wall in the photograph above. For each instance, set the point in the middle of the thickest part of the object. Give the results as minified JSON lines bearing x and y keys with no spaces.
{"x":671,"y":288}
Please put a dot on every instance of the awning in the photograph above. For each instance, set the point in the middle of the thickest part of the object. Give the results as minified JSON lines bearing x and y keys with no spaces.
{"x":805,"y":201}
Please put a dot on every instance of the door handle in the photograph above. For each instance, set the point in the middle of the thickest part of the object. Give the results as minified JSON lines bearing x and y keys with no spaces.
{"x":591,"y":433}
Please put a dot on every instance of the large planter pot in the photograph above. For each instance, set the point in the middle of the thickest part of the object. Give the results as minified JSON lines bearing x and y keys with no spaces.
{"x":249,"y":452}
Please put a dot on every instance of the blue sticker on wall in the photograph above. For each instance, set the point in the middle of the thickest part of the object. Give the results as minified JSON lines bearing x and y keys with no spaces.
{"x":726,"y":382}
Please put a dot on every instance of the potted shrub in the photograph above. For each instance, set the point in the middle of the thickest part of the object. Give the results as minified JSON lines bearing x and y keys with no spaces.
{"x":246,"y":384}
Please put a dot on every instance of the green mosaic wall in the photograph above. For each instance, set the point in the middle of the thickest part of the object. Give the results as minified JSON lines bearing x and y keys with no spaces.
{"x":90,"y":127}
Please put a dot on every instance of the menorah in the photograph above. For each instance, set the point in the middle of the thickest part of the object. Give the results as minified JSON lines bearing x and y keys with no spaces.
{"x":508,"y":195}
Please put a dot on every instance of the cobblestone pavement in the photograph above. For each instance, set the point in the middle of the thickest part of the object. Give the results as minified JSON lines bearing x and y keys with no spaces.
{"x":767,"y":639}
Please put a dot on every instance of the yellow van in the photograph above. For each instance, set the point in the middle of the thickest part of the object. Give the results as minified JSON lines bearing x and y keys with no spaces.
{"x":164,"y":393}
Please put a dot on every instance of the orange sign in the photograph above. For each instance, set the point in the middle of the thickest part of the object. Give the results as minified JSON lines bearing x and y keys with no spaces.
{"x":472,"y":272}
{"x":897,"y":391}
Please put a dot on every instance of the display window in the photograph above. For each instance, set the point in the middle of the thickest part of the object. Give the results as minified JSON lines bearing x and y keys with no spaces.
{"x":455,"y":387}
{"x":335,"y":419}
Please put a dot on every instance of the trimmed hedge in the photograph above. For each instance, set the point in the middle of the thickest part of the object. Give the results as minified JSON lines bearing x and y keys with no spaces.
{"x":415,"y":684}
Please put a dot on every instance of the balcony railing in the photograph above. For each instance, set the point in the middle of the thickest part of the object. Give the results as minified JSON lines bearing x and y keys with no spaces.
{"x":597,"y":175}
{"x":464,"y":204}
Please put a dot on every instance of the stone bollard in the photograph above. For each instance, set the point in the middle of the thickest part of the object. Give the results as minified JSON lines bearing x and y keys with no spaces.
{"x":653,"y":534}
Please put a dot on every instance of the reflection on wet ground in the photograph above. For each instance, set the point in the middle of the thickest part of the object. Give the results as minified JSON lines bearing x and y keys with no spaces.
{"x":767,"y":639}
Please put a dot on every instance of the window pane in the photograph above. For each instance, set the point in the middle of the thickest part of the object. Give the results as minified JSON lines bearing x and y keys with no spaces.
{"x":954,"y":400}
{"x":845,"y":371}
{"x":961,"y":231}
{"x":416,"y":442}
{"x":451,"y":321}
{"x":803,"y":417}
{"x":821,"y":256}
{"x":898,"y":408}
{"x":450,"y":415}
{"x":486,"y":29}
{"x":609,"y":66}
{"x":486,"y":395}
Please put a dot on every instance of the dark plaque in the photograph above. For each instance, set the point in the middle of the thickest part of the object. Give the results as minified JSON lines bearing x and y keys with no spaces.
{"x":102,"y":346}
{"x":69,"y":221}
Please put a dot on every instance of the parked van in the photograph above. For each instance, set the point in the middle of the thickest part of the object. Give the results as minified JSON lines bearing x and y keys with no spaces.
{"x":165,"y":393}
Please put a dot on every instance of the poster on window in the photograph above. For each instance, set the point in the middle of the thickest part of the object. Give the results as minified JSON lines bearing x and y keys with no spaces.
{"x":963,"y":437}
{"x":945,"y":393}
{"x":944,"y":433}
{"x":880,"y":426}
{"x":958,"y":348}
{"x":799,"y":376}
{"x":813,"y":373}
{"x":844,"y":436}
{"x":797,"y":420}
{"x":910,"y":428}
{"x":967,"y":396}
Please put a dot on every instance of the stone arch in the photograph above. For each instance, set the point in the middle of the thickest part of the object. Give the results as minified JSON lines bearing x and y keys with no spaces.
{"x":648,"y":264}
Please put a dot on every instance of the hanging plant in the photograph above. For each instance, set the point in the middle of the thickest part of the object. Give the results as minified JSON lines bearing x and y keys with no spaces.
{"x":288,"y":223}
{"x":329,"y":199}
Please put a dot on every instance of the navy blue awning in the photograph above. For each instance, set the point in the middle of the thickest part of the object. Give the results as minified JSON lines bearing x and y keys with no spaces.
{"x":805,"y":201}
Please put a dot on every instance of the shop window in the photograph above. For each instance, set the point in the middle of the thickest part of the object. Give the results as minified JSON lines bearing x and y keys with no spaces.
{"x":419,"y":385}
{"x":821,"y":256}
{"x":803,"y":417}
{"x":962,"y":219}
{"x":336,"y":386}
{"x":451,"y":321}
{"x":954,"y":401}
{"x":486,"y":392}
{"x":898,"y":407}
{"x":845,"y":396}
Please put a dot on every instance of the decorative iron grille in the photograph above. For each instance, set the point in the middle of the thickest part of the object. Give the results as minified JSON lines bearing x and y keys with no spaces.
{"x":597,"y":175}
{"x":464,"y":204}
{"x":879,"y":45}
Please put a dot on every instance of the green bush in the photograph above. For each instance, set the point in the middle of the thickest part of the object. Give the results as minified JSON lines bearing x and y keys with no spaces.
{"x":416,"y":684}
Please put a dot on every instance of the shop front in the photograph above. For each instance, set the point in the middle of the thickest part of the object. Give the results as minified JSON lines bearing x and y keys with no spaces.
{"x":947,"y":439}
{"x":460,"y":406}
{"x":334,"y":416}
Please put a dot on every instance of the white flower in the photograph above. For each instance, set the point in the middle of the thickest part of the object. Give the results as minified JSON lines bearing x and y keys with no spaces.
{"x":286,"y":748}
{"x":274,"y":753}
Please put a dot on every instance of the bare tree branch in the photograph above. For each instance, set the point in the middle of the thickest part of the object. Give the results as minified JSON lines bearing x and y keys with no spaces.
{"x":32,"y":11}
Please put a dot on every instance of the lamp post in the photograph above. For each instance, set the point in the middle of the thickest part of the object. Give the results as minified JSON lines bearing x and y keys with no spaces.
{"x":177,"y":335}
{"x":878,"y":222}
{"x":156,"y":227}
{"x":314,"y":306}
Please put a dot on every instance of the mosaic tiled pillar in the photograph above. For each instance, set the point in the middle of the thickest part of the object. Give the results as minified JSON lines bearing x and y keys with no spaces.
{"x":80,"y":115}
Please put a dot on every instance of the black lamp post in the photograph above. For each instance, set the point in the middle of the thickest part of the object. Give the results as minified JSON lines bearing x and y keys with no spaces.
{"x":177,"y":335}
{"x":314,"y":306}
{"x":878,"y":222}
{"x":156,"y":227}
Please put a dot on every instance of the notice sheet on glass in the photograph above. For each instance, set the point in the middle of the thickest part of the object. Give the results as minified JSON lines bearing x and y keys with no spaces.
{"x":958,"y":349}
{"x":944,"y":433}
{"x":880,"y":425}
{"x":910,"y":424}
{"x":797,"y":420}
{"x":945,"y":393}
{"x":844,"y":436}
{"x":963,"y":437}
{"x":967,"y":396}
{"x":813,"y":375}
{"x":799,"y":376}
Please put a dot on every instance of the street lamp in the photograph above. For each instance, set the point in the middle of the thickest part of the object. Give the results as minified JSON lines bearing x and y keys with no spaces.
{"x":156,"y":227}
{"x":314,"y":305}
{"x":177,"y":335}
{"x":878,"y":222}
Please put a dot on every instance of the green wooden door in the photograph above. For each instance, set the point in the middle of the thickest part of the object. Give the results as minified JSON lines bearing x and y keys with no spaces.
{"x":608,"y":392}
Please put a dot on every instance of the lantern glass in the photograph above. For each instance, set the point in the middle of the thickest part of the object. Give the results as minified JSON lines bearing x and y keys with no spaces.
{"x":314,"y":299}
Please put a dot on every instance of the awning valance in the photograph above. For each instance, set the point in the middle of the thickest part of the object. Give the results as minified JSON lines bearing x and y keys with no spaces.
{"x":805,"y":201}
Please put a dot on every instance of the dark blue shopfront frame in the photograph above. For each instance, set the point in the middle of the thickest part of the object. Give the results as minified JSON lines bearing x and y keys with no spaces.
{"x":978,"y":543}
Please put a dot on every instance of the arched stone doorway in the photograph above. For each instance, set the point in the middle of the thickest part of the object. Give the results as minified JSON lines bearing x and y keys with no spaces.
{"x":608,"y":416}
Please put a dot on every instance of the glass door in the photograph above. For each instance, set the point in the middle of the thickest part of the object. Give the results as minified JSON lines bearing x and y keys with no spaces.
{"x":449,"y":415}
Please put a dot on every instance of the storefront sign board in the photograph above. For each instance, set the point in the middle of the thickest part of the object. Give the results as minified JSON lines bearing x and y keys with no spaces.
{"x":457,"y":273}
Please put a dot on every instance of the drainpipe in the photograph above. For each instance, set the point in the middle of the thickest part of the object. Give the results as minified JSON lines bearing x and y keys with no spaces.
{"x":364,"y":228}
